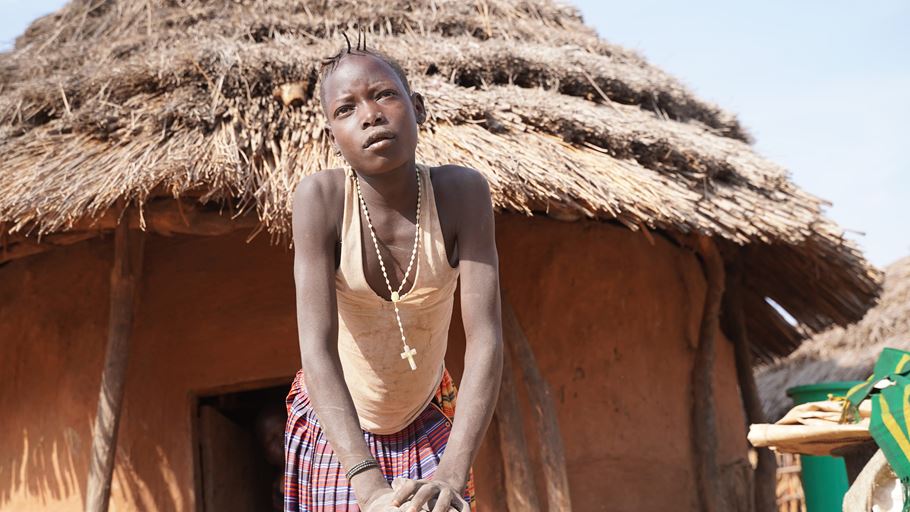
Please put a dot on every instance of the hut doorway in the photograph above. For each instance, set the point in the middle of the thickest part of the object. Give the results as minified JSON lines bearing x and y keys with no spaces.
{"x":240,"y":450}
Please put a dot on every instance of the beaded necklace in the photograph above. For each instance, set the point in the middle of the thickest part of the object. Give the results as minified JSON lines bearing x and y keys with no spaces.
{"x":408,"y":352}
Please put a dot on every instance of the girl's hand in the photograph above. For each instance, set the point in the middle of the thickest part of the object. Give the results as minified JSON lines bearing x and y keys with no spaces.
{"x":381,"y":502}
{"x":421,"y":495}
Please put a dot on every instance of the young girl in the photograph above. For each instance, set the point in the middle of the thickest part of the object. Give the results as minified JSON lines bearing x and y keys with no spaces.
{"x":379,"y":248}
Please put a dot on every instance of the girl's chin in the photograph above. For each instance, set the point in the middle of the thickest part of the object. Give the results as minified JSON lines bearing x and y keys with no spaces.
{"x":378,"y":163}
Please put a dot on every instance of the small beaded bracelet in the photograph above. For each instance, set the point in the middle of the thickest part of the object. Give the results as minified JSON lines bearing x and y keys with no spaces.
{"x":361,"y":467}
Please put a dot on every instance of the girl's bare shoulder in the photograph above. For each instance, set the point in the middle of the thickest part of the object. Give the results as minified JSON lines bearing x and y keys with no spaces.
{"x":458,"y":183}
{"x":328,"y":183}
{"x":322,"y":194}
{"x":462,"y":194}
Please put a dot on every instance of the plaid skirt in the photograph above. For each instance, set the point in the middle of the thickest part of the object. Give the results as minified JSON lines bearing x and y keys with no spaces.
{"x":314,"y":480}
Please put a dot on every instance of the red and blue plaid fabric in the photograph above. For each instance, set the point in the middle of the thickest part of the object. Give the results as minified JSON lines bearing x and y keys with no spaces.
{"x":314,"y":480}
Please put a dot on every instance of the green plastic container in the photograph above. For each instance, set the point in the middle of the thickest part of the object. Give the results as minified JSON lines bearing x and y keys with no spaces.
{"x":824,"y":478}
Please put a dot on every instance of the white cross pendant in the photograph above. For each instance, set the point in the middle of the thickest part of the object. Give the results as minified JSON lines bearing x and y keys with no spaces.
{"x":409,"y":354}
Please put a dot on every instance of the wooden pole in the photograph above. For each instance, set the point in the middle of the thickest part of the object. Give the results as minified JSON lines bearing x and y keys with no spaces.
{"x":704,"y":414}
{"x":521,"y":493}
{"x":765,"y":497}
{"x":125,"y":274}
{"x":551,"y":448}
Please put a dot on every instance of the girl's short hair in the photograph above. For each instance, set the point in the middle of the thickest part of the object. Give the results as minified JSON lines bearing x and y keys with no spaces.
{"x":329,"y":64}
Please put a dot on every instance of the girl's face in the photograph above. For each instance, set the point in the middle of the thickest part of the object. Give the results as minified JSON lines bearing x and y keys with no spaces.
{"x":371,"y":117}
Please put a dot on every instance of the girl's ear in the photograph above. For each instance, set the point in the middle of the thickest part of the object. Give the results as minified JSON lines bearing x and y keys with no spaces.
{"x":327,"y":130}
{"x":420,"y":109}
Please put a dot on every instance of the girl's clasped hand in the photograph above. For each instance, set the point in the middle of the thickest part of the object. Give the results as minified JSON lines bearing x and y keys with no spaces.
{"x":419,"y":496}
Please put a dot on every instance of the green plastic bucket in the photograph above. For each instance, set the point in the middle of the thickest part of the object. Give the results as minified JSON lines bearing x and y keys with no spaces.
{"x":824,"y":478}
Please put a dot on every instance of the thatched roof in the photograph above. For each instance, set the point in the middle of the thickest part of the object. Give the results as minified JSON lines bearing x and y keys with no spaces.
{"x":839,"y":353}
{"x":106,"y":101}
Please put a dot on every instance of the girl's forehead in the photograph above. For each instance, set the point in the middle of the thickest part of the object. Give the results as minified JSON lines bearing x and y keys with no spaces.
{"x":358,"y":70}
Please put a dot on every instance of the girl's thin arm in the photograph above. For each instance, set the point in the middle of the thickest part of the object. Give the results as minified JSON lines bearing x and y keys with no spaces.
{"x":317,"y":325}
{"x":480,"y":307}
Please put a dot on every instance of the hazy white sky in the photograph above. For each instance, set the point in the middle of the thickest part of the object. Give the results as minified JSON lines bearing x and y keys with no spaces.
{"x":821,"y":84}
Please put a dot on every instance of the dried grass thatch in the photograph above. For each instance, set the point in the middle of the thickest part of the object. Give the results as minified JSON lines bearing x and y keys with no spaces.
{"x":840,"y":353}
{"x":111,"y":100}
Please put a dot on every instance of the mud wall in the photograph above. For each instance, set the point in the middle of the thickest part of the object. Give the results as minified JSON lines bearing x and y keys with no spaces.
{"x":612,"y":318}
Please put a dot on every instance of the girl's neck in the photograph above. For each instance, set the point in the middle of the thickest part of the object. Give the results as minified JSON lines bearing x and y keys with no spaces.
{"x":395,"y":189}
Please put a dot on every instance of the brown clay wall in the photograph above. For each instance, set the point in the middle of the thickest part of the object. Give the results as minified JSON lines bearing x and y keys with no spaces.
{"x":613,"y":321}
{"x":611,"y":318}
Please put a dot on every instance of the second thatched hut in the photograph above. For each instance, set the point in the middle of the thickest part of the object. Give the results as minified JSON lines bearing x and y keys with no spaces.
{"x":843,"y":353}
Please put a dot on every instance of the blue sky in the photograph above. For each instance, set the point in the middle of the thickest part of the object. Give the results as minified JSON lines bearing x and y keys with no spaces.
{"x":821,"y":85}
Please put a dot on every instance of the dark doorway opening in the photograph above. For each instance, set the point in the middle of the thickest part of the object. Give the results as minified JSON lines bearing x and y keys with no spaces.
{"x":241,"y":449}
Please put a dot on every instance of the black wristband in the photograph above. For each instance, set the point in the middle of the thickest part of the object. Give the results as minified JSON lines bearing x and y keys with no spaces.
{"x":361,"y":467}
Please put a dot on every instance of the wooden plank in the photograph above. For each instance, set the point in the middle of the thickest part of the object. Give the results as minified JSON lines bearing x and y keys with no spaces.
{"x":125,"y":275}
{"x":167,"y":217}
{"x":230,"y":475}
{"x":521,"y":492}
{"x":551,"y":446}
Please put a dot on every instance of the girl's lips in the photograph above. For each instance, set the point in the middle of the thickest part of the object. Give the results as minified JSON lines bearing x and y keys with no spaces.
{"x":381,"y":144}
{"x":378,"y":136}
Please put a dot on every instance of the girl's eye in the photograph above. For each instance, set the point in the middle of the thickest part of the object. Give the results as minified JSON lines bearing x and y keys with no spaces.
{"x":342,"y":110}
{"x":387,"y":92}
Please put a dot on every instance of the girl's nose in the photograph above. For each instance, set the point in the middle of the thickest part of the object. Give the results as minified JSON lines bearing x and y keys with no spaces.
{"x":372,"y":118}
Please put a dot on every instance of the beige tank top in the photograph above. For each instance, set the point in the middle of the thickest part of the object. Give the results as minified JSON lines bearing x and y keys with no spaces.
{"x":387,"y":394}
